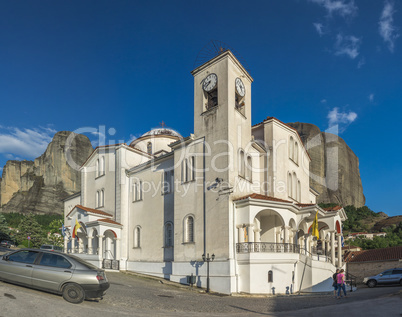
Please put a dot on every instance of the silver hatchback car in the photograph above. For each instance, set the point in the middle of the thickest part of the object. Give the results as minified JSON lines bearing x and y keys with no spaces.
{"x":392,"y":276}
{"x":55,"y":272}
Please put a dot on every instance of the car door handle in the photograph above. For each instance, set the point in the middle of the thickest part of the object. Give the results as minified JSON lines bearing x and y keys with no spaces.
{"x":28,"y":265}
{"x":67,"y":271}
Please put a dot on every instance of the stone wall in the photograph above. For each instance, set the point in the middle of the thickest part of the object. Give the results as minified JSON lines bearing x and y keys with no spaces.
{"x":365,"y":269}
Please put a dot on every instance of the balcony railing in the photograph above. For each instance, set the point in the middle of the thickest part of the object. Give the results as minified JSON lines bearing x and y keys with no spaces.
{"x":271,"y":247}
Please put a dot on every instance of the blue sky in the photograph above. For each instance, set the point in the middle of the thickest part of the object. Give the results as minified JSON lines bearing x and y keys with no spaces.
{"x":124,"y":66}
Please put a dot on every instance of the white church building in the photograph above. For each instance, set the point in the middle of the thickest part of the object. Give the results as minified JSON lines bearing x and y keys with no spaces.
{"x":234,"y":194}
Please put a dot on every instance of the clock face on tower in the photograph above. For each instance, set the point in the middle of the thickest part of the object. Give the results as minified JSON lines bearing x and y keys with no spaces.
{"x":210,"y":82}
{"x":240,"y":88}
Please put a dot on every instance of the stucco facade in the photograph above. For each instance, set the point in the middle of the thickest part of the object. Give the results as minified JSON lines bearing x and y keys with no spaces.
{"x":237,"y":191}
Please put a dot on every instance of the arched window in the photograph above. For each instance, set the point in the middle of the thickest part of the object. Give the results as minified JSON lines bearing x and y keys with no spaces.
{"x":296,"y":154}
{"x":191,"y":171}
{"x":270,"y":276}
{"x":168,"y":235}
{"x":291,"y":148}
{"x":102,"y":198}
{"x":289,"y":185}
{"x":102,"y":166}
{"x":149,"y":147}
{"x":137,"y":190}
{"x":294,"y":185}
{"x":97,"y":168}
{"x":97,"y":199}
{"x":189,"y":229}
{"x":298,"y":191}
{"x":241,"y":164}
{"x":249,"y":169}
{"x":184,"y":171}
{"x":137,"y":237}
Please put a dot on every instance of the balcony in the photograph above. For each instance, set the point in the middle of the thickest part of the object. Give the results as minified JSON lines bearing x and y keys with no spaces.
{"x":267,"y":247}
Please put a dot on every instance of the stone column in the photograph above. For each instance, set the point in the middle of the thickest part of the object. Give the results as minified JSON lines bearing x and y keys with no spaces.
{"x":117,"y":248}
{"x":73,"y":245}
{"x":65,"y":244}
{"x":100,"y":245}
{"x":90,"y":245}
{"x":333,"y":247}
{"x":339,"y":236}
{"x":286,"y":234}
{"x":250,"y":232}
{"x":257,"y":235}
{"x":278,"y":235}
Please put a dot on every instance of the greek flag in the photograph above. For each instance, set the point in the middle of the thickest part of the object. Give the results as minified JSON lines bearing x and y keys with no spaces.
{"x":343,"y":242}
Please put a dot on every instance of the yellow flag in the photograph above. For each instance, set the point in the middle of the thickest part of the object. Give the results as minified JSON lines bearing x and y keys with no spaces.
{"x":76,"y":227}
{"x":314,"y":227}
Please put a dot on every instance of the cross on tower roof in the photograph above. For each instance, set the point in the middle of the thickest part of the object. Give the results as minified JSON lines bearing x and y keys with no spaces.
{"x":162,"y":124}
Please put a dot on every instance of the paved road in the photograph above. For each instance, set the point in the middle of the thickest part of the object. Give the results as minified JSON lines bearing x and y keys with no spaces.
{"x":132,"y":295}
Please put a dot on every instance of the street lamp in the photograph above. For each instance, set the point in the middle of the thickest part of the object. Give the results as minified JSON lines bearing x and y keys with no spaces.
{"x":208,"y":259}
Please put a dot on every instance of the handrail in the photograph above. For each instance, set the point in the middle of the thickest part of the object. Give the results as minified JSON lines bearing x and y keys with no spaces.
{"x":352,"y":278}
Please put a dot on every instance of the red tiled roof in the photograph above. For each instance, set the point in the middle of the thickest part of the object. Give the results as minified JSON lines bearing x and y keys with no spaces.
{"x":336,"y":208}
{"x":91,"y":210}
{"x":109,"y":221}
{"x":393,"y":253}
{"x":305,"y":205}
{"x":262,"y":197}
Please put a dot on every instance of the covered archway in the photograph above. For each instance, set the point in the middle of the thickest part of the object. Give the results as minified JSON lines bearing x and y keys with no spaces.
{"x":270,"y":226}
{"x":109,"y":245}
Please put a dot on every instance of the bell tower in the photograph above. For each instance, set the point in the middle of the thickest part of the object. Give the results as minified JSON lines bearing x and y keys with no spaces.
{"x":222,"y":108}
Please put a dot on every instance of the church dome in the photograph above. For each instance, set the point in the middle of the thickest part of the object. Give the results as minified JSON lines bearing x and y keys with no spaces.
{"x":162,"y":131}
{"x":156,"y":141}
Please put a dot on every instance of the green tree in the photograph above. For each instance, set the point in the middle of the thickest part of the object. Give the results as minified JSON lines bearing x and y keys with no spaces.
{"x":4,"y":231}
{"x":30,"y":227}
{"x":55,"y":229}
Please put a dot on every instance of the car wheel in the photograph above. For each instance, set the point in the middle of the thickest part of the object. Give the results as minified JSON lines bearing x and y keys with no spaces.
{"x":371,"y":283}
{"x":73,"y":293}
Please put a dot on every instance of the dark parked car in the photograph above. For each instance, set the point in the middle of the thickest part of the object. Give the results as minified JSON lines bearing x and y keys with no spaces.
{"x":392,"y":276}
{"x":55,"y":272}
{"x":6,"y":244}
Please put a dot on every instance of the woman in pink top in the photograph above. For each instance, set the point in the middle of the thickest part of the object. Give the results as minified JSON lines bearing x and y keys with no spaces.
{"x":341,"y":283}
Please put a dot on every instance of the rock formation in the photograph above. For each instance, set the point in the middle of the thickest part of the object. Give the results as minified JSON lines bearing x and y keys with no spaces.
{"x":334,"y":168}
{"x":39,"y":186}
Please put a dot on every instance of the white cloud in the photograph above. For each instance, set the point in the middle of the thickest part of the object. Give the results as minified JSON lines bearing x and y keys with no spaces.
{"x":386,"y":28}
{"x":324,"y":101}
{"x":336,"y":118}
{"x":371,"y":97}
{"x":342,"y":7}
{"x":27,"y":143}
{"x":347,"y":45}
{"x":319,"y":28}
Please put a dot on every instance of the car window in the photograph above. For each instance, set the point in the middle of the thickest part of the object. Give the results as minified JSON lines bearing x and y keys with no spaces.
{"x":23,"y":256}
{"x":387,"y":273}
{"x":83,"y":262}
{"x":54,"y":260}
{"x":398,"y":271}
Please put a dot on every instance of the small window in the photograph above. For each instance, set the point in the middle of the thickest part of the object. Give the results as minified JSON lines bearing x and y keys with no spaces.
{"x":189,"y":229}
{"x":137,"y":237}
{"x":97,"y":168}
{"x":241,"y":164}
{"x":270,"y":277}
{"x":137,"y":190}
{"x":149,"y":147}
